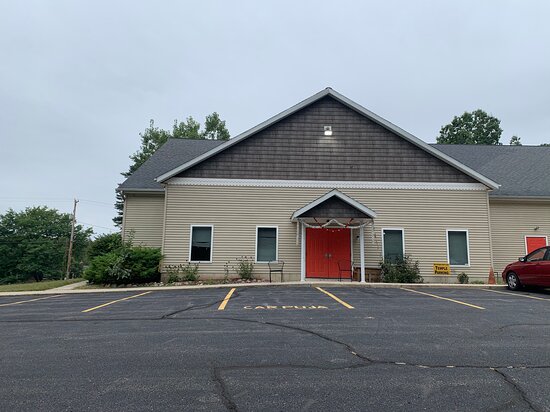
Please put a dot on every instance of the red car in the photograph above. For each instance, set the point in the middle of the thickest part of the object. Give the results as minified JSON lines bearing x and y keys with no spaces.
{"x":531,"y":270}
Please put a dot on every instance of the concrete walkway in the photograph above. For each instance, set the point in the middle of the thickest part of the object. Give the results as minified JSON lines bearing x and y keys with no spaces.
{"x":68,"y":287}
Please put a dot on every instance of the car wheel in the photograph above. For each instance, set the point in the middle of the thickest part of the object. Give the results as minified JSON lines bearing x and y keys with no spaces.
{"x":513,"y":281}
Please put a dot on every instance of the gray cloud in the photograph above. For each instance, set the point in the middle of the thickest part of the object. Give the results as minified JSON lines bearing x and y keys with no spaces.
{"x":80,"y":80}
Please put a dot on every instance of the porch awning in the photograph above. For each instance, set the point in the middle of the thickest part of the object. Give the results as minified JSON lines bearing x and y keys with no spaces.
{"x":334,"y":205}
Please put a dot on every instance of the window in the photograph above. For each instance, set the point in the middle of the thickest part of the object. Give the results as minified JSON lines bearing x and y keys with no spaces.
{"x":393,"y":244}
{"x":201,"y":244}
{"x":458,"y":253}
{"x":266,"y":244}
{"x":536,"y":255}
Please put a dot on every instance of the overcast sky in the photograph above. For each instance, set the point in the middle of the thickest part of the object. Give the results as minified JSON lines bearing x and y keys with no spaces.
{"x":79,"y":80}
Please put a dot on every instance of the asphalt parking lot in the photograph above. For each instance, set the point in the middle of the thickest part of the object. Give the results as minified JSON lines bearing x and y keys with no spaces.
{"x":277,"y":348}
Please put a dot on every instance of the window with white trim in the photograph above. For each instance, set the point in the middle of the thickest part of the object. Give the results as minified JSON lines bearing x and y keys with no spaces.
{"x":393,"y":245}
{"x":266,"y":244}
{"x":458,"y":247}
{"x":201,"y":244}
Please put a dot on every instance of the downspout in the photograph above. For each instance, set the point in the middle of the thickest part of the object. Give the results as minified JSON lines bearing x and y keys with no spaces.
{"x":164,"y":218}
{"x":490,"y":231}
{"x":123,"y":228}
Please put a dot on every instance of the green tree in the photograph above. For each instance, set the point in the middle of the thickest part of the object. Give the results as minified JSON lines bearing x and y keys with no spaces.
{"x":515,"y":141}
{"x":154,"y":137}
{"x":476,"y":127}
{"x":545,"y":144}
{"x":33,"y":244}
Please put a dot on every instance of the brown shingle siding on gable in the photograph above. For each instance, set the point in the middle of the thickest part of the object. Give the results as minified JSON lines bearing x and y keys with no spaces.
{"x":334,"y":208}
{"x":296,"y":149}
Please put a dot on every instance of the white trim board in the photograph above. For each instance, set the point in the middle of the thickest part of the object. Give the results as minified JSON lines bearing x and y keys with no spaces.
{"x":325,"y":184}
{"x":351,"y":104}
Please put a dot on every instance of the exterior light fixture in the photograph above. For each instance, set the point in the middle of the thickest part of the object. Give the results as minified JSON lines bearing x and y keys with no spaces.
{"x":328,"y":130}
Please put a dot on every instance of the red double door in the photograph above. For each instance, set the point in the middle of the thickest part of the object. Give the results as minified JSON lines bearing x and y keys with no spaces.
{"x":324,"y":248}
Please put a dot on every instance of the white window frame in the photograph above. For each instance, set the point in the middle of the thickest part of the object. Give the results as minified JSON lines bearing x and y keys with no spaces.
{"x":402,"y":238}
{"x":525,"y":241}
{"x":467,"y":247}
{"x":211,"y":243}
{"x":276,"y":243}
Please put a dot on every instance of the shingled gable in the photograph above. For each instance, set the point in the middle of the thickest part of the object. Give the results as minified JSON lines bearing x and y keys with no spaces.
{"x":364,"y":147}
{"x":334,"y":204}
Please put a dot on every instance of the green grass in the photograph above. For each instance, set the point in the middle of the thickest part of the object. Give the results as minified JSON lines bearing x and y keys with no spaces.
{"x":44,"y":285}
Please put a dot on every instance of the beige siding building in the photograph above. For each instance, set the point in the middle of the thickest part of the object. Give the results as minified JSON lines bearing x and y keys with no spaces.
{"x":324,"y":184}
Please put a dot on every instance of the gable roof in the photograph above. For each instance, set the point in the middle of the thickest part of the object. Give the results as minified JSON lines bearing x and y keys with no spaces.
{"x":334,"y":193}
{"x":170,"y":155}
{"x":184,"y":165}
{"x":522,"y":171}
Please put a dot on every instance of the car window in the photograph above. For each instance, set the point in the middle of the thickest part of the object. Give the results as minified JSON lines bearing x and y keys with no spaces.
{"x":547,"y":254}
{"x":536,"y":255}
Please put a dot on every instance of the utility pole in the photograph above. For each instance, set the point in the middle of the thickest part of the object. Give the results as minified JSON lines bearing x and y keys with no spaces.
{"x":71,"y":240}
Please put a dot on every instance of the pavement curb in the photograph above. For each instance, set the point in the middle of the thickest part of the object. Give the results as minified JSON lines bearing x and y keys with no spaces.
{"x":251,"y":285}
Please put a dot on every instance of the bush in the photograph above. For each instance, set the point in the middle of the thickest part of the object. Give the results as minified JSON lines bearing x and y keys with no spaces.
{"x":462,"y":278}
{"x":245,"y":267}
{"x":183,"y":273}
{"x":104,"y":244}
{"x":401,"y":271}
{"x":6,"y":280}
{"x":125,"y":265}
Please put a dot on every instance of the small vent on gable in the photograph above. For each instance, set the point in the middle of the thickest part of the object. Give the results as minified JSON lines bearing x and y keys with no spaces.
{"x":328,"y":130}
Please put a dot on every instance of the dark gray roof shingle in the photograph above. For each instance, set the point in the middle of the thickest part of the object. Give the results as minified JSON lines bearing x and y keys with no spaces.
{"x":169,"y":156}
{"x":520,"y":170}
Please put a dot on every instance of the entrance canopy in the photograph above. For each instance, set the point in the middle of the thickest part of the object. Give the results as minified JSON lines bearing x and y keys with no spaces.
{"x":334,"y":209}
{"x":331,"y":210}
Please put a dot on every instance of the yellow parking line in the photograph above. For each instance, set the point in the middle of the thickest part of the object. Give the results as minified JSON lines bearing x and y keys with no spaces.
{"x":226,"y":299}
{"x":516,"y":294}
{"x":449,"y":299}
{"x":114,"y":301}
{"x":29,"y":300}
{"x":340,"y":301}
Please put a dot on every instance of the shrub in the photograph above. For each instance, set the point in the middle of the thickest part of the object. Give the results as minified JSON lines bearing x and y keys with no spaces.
{"x":105,"y":244}
{"x":401,"y":271}
{"x":100,"y":268}
{"x":183,"y":273}
{"x":125,"y":265}
{"x":245,"y":267}
{"x":462,"y":278}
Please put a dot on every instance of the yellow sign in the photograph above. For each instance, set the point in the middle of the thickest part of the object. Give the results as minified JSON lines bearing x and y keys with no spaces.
{"x":442,"y":269}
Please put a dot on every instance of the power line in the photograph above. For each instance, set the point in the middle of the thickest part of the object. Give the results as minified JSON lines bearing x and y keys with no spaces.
{"x":98,"y":202}
{"x":90,"y":224}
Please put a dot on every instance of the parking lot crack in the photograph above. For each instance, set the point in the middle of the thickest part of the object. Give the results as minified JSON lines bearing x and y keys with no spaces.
{"x":347,"y":346}
{"x":520,"y":392}
{"x":224,"y":393}
{"x":196,"y":307}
